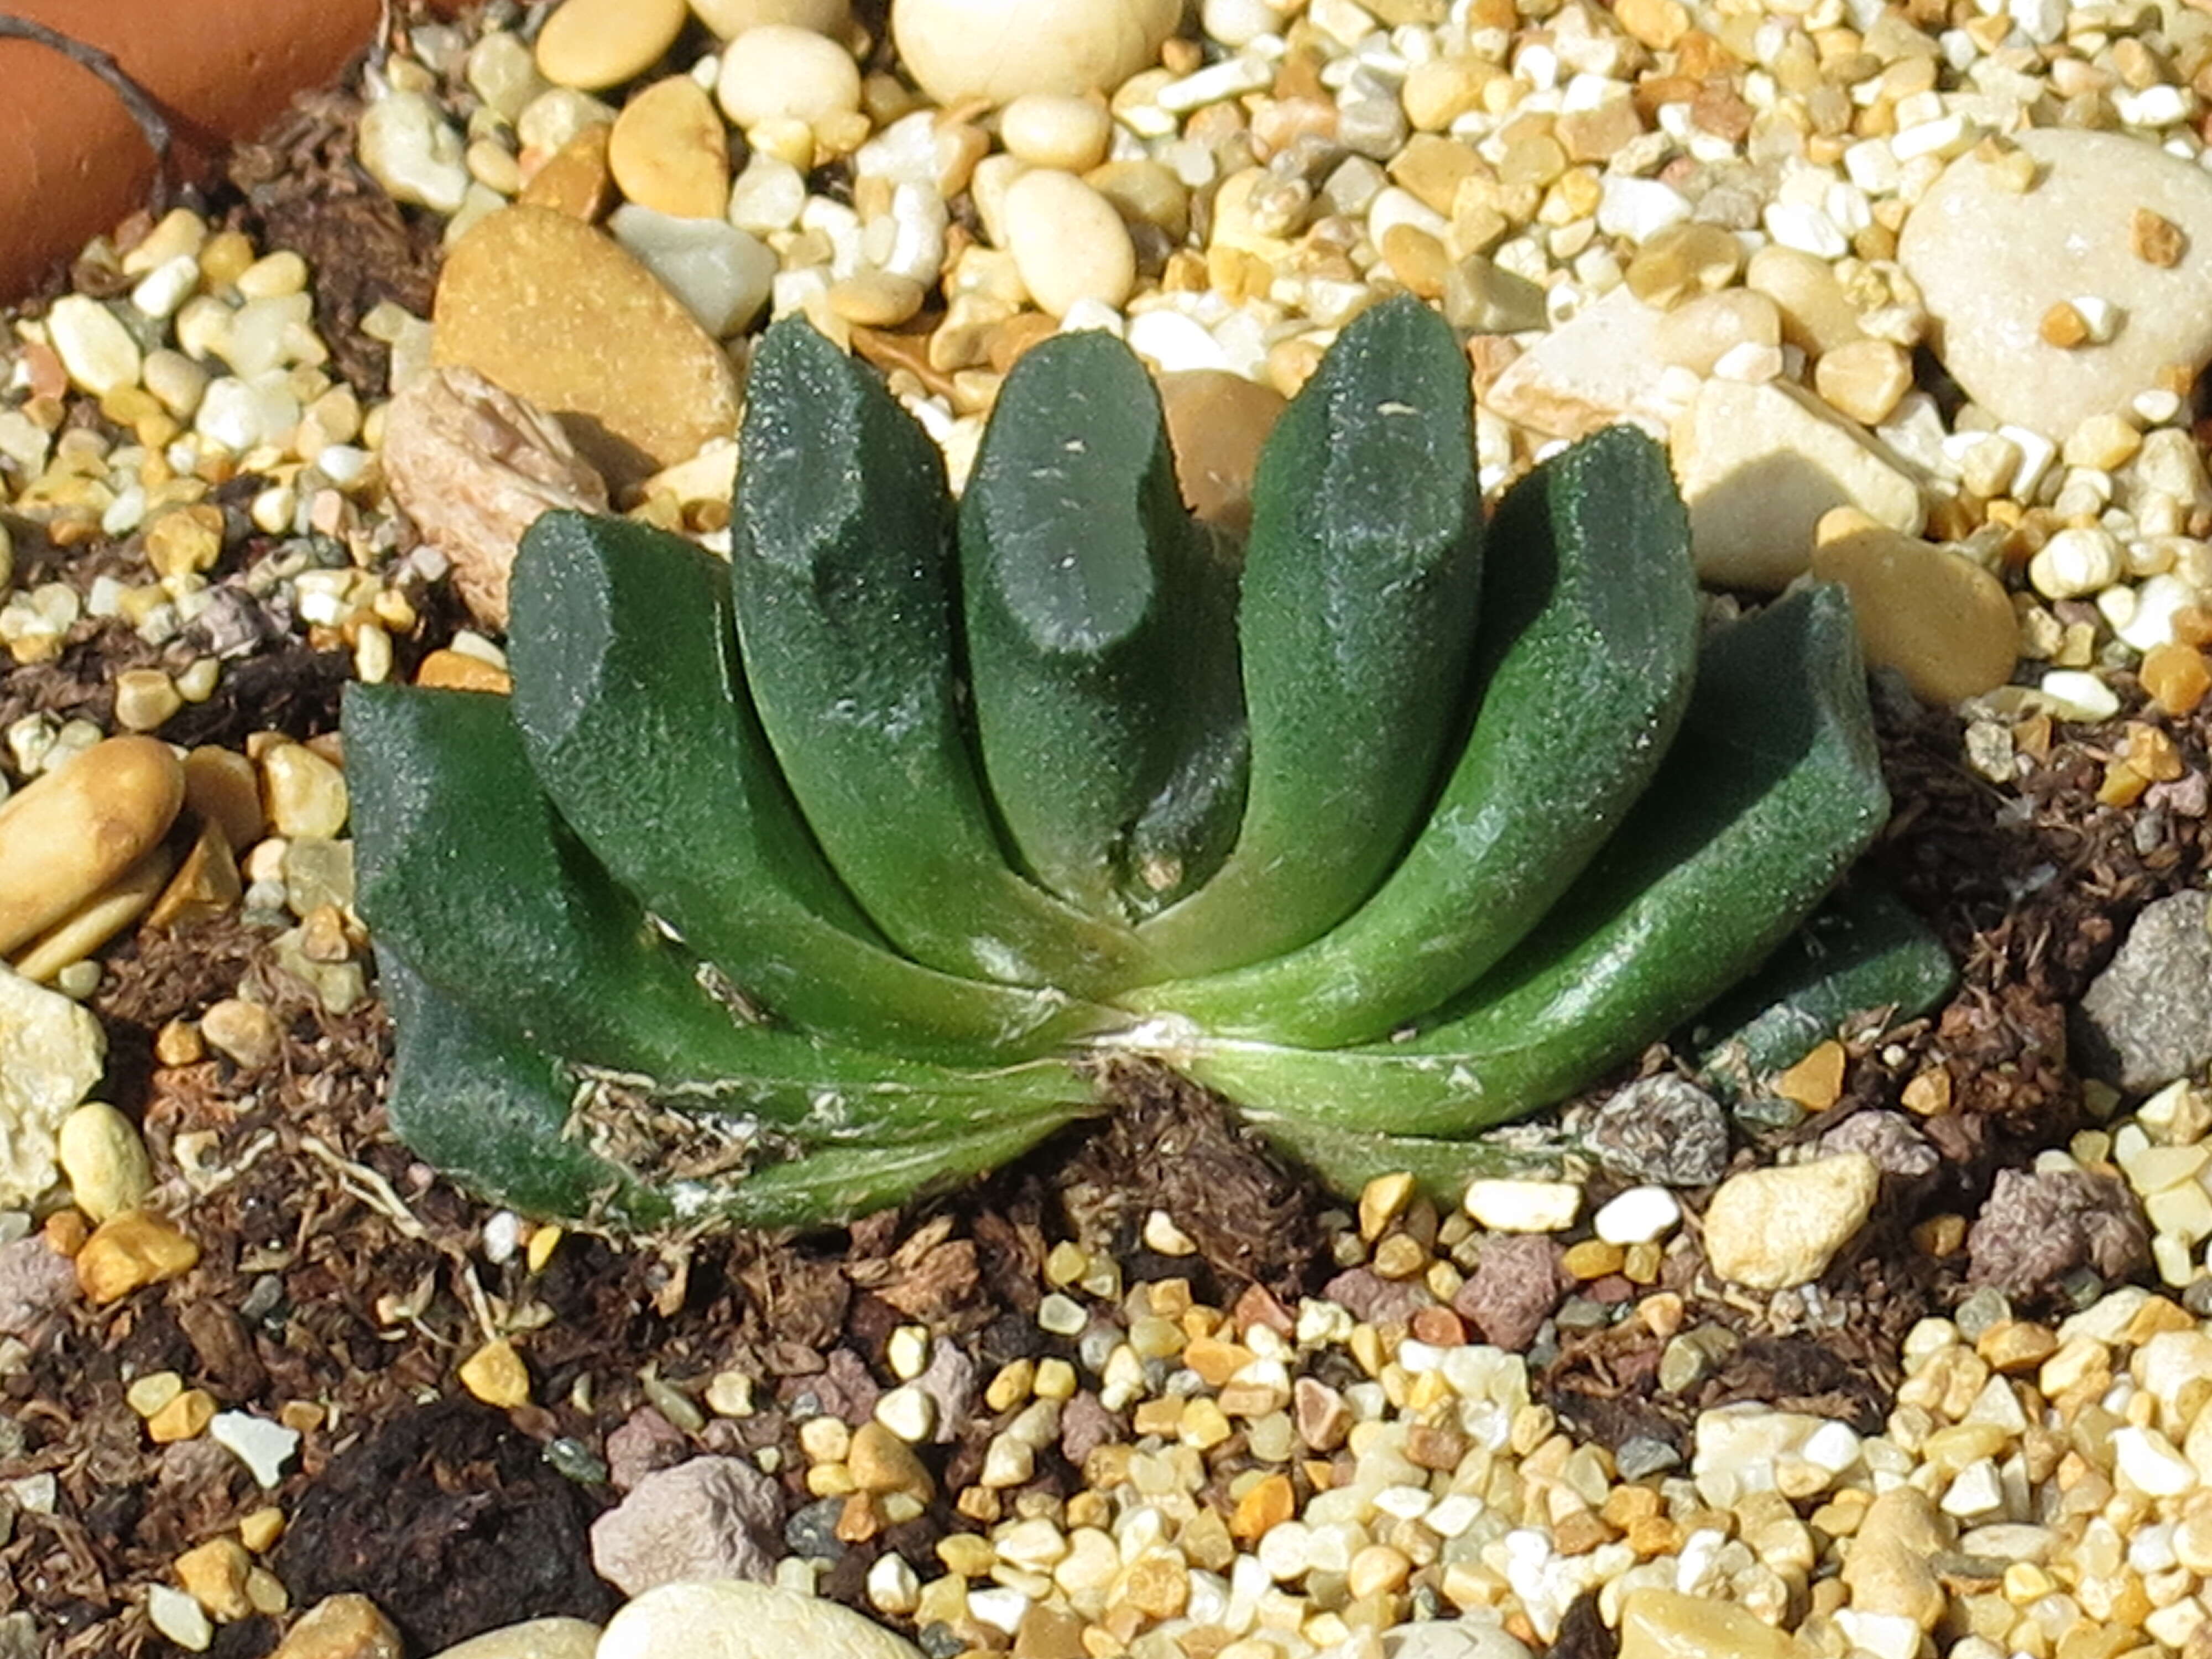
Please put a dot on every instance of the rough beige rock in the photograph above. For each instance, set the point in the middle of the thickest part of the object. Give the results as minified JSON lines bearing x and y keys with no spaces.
{"x":1601,"y":364}
{"x":1935,"y":616}
{"x":1217,"y":422}
{"x":669,"y":151}
{"x":1774,"y":1227}
{"x":537,"y":1639}
{"x":594,"y":43}
{"x":999,"y":49}
{"x":51,"y":1053}
{"x":1991,"y":262}
{"x":1662,"y":1624}
{"x":341,"y":1627}
{"x":551,"y":309}
{"x":1889,"y":1562}
{"x":74,"y":830}
{"x":726,"y":1619}
{"x":1758,"y":466}
{"x":474,"y":466}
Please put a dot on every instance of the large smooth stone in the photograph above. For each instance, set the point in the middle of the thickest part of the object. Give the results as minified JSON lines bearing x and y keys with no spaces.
{"x":1602,"y":363}
{"x":1935,"y":616}
{"x":51,"y":1053}
{"x":998,"y":49}
{"x":538,"y":1638}
{"x":1774,"y":1227}
{"x":1662,"y":1624}
{"x":551,"y":310}
{"x":592,"y":44}
{"x":724,"y":1619}
{"x":670,"y":152}
{"x":1990,"y":262}
{"x":1760,"y":464}
{"x":71,"y":831}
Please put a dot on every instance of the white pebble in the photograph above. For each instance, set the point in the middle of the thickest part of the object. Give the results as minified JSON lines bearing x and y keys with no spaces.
{"x":779,"y":71}
{"x":2157,"y":602}
{"x":93,"y":346}
{"x":2077,"y":695}
{"x":179,"y":1617}
{"x":1523,"y":1206}
{"x":2075,"y":560}
{"x":263,"y":1446}
{"x":1637,"y":1215}
{"x":406,"y":146}
{"x":166,"y":287}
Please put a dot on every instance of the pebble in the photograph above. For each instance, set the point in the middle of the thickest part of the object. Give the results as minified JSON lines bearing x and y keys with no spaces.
{"x":1774,"y":1227}
{"x":1990,"y":264}
{"x":1054,"y":130}
{"x":214,"y":1575}
{"x":128,"y":1252}
{"x":780,"y":72}
{"x":722,"y":274}
{"x":1068,"y":242}
{"x":552,"y":310}
{"x":579,"y":179}
{"x":176,"y":1615}
{"x":473,"y":467}
{"x":998,"y":49}
{"x":1889,"y":1566}
{"x":407,"y":146}
{"x":1759,"y":465}
{"x":670,"y":152}
{"x":495,"y":1374}
{"x":1935,"y":616}
{"x":347,"y":1626}
{"x":305,"y":795}
{"x":51,"y":1053}
{"x":535,"y":1639}
{"x":705,"y":1519}
{"x":1601,"y":364}
{"x":263,"y":1446}
{"x":1217,"y":422}
{"x":74,"y":830}
{"x":1508,"y":1205}
{"x":245,"y":1031}
{"x":731,"y":18}
{"x":2146,"y":1018}
{"x":104,"y":1160}
{"x":727,"y":1619}
{"x":1638,"y":1216}
{"x":94,"y":347}
{"x":1699,"y":333}
{"x":1662,"y":1129}
{"x":35,"y":1279}
{"x":592,"y":44}
{"x":1664,"y":1623}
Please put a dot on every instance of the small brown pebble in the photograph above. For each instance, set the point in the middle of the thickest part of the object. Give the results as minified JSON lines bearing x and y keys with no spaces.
{"x":1435,"y":1446}
{"x":2064,"y":327}
{"x":1440,"y":1328}
{"x":881,"y":1462}
{"x":2156,"y":239}
{"x":1815,"y":1082}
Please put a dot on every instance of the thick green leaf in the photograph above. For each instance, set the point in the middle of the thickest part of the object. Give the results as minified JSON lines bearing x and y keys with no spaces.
{"x":1771,"y":788}
{"x":1583,"y":662}
{"x":1356,"y":625}
{"x":1098,"y":652}
{"x":1864,"y":950}
{"x":637,"y":723}
{"x":843,"y":566}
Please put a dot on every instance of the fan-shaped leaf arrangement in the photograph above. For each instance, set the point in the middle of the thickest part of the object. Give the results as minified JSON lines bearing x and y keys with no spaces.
{"x":783,"y":888}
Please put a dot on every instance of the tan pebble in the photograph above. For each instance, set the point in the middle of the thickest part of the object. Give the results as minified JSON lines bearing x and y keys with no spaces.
{"x":178,"y":1044}
{"x":1052,"y":129}
{"x":456,"y":671}
{"x":495,"y":1374}
{"x":1816,"y":1082}
{"x":129,"y":1251}
{"x":2155,"y":238}
{"x":1158,"y":1585}
{"x":1145,"y":193}
{"x":1816,"y":314}
{"x":105,"y":1160}
{"x":551,"y":311}
{"x":260,"y":1530}
{"x":347,"y":1626}
{"x":1378,"y":1570}
{"x":577,"y":178}
{"x":1217,"y":424}
{"x":185,"y":540}
{"x":670,"y":152}
{"x":1659,"y":24}
{"x":71,"y":832}
{"x":245,"y":1031}
{"x":595,"y":44}
{"x":778,"y":72}
{"x":306,"y":794}
{"x":65,"y":1232}
{"x":1269,"y":1503}
{"x":729,"y":19}
{"x":206,"y":885}
{"x":149,"y":1393}
{"x":1700,"y":331}
{"x":2176,"y":677}
{"x":185,"y":1417}
{"x":1863,"y":379}
{"x":997,"y":49}
{"x":221,"y":788}
{"x":1068,"y":243}
{"x":1417,"y":260}
{"x":1774,"y":1227}
{"x":1889,"y":1566}
{"x":876,"y":299}
{"x":2104,"y":442}
{"x":214,"y":1575}
{"x":1663,"y":1624}
{"x":881,"y":1462}
{"x":2064,"y":326}
{"x":98,"y":919}
{"x":1935,"y":616}
{"x":145,"y":698}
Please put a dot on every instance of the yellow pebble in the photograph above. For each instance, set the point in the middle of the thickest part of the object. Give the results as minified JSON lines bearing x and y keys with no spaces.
{"x":495,"y":1374}
{"x":262,"y":1529}
{"x":539,"y":1250}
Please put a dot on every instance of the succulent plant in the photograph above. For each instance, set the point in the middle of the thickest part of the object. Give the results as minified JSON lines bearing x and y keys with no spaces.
{"x":784,"y":886}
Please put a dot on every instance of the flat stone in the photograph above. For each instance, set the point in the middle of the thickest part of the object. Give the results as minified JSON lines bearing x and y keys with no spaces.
{"x":552,"y":310}
{"x":707,"y":1518}
{"x":596,"y":43}
{"x":1217,"y":422}
{"x":1991,"y":262}
{"x":1662,"y":1624}
{"x":51,"y":1053}
{"x":1601,"y":364}
{"x":2146,"y":1020}
{"x":1759,"y":465}
{"x":72,"y":831}
{"x":1774,"y":1227}
{"x":1935,"y":616}
{"x":727,"y":1619}
{"x":722,"y":274}
{"x":670,"y":152}
{"x":537,"y":1639}
{"x":731,"y":18}
{"x":997,"y":49}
